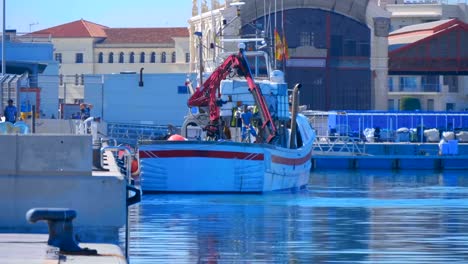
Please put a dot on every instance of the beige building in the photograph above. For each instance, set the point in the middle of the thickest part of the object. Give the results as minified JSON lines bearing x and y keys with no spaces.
{"x":86,"y":48}
{"x":416,"y":22}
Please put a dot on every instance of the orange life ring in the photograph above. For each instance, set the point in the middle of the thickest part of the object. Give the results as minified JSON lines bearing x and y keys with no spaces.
{"x":135,"y":168}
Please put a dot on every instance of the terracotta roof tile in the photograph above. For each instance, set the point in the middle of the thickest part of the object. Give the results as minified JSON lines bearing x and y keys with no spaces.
{"x":76,"y":29}
{"x":144,"y":35}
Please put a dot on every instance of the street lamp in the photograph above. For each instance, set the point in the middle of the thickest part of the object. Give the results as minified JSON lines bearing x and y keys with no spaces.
{"x":32,"y":24}
{"x":3,"y":41}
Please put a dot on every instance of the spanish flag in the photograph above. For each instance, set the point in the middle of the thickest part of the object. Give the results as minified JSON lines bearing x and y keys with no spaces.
{"x":285,"y":48}
{"x":279,"y":50}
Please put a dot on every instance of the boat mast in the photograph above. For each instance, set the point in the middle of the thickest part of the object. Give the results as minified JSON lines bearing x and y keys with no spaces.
{"x":200,"y":59}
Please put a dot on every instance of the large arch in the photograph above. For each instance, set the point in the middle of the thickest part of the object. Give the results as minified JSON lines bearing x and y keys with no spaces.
{"x":340,"y":69}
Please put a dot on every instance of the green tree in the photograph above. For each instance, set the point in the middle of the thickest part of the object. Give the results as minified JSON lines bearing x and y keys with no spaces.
{"x":410,"y":104}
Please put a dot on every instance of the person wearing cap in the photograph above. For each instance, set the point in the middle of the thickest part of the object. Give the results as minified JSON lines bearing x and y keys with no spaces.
{"x":10,"y":112}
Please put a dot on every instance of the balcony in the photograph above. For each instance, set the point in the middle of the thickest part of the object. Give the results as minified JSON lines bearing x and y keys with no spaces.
{"x":415,"y":89}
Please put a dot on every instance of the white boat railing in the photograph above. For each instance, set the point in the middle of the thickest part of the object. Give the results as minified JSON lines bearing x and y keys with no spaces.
{"x":336,"y":145}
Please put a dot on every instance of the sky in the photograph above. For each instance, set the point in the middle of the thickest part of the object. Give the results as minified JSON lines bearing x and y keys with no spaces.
{"x":34,"y":15}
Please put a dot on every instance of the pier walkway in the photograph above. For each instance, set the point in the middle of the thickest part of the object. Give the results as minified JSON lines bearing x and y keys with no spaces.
{"x":33,"y":248}
{"x":388,"y":156}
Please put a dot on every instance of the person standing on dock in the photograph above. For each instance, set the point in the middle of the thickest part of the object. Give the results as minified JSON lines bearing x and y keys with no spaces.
{"x":10,"y":112}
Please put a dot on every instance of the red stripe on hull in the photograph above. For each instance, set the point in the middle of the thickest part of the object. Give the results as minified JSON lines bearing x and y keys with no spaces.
{"x":291,"y":161}
{"x":200,"y":154}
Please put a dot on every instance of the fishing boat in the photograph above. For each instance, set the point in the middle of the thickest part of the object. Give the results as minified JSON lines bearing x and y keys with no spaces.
{"x":213,"y":155}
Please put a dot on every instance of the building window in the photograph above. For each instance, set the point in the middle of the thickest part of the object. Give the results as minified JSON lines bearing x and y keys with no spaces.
{"x":430,"y":83}
{"x":142,"y":57}
{"x":391,"y":105}
{"x":131,"y":59}
{"x":153,"y":57}
{"x":390,"y":84}
{"x":111,"y":57}
{"x":430,"y":104}
{"x":452,"y":83}
{"x":449,"y":107}
{"x":306,"y":39}
{"x":58,"y":57}
{"x":163,"y":57}
{"x":182,"y":89}
{"x":187,"y":57}
{"x":336,"y":45}
{"x":100,"y":57}
{"x":363,"y":49}
{"x":350,"y":47}
{"x":79,"y":58}
{"x":408,"y":84}
{"x":173,"y":57}
{"x":121,"y":57}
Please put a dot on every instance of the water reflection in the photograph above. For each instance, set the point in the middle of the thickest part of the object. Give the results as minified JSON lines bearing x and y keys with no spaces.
{"x":344,"y":217}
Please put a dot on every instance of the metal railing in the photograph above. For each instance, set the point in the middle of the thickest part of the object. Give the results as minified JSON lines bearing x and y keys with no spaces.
{"x":337,"y":145}
{"x":28,"y":37}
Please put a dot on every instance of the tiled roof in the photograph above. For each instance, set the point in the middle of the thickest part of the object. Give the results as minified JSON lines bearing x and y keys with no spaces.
{"x":144,"y":35}
{"x":76,"y":29}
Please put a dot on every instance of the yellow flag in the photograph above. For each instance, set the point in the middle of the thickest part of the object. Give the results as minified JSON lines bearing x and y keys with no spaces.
{"x":279,"y":46}
{"x":285,"y":47}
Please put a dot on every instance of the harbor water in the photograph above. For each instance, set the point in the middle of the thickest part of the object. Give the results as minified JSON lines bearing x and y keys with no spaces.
{"x":343,"y":217}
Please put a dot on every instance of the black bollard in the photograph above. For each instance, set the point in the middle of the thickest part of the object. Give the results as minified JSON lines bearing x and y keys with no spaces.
{"x":60,"y":225}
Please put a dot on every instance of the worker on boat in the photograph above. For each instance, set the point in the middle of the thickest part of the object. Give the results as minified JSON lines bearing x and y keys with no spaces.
{"x":246,"y":117}
{"x":226,"y":131}
{"x":85,"y":111}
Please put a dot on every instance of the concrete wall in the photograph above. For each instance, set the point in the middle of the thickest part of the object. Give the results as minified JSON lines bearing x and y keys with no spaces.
{"x":30,"y":154}
{"x":49,"y":83}
{"x":17,"y":51}
{"x":99,"y":202}
{"x":55,"y":171}
{"x":121,"y":100}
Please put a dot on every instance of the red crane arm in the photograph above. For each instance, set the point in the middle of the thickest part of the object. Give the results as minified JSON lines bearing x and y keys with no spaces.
{"x":206,"y":95}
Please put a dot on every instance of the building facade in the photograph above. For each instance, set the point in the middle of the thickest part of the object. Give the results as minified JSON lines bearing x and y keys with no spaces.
{"x":84,"y":48}
{"x":337,"y":49}
{"x":439,"y":88}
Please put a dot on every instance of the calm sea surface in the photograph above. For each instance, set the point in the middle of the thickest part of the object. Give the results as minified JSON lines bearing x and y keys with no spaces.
{"x":343,"y":217}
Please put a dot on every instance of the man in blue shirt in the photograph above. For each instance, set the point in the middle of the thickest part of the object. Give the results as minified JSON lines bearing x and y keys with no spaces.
{"x":10,"y":112}
{"x":246,"y":117}
{"x":85,"y":111}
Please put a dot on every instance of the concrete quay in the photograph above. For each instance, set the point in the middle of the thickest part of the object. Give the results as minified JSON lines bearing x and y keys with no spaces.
{"x":56,"y":171}
{"x":392,"y":156}
{"x":33,"y":249}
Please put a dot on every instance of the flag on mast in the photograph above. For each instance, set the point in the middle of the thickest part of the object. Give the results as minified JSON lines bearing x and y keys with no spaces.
{"x":279,"y":46}
{"x":285,"y":44}
{"x":285,"y":48}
